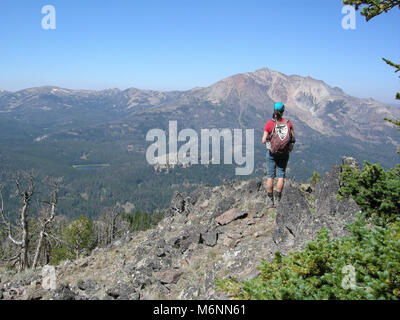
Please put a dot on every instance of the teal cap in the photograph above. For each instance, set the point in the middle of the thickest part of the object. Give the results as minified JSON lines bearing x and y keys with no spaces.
{"x":279,"y":106}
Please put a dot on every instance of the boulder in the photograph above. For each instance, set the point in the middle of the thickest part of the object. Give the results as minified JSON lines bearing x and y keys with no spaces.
{"x":210,"y":238}
{"x":292,"y":217}
{"x":64,"y":292}
{"x":226,"y":203}
{"x":351,"y":162}
{"x":168,"y":276}
{"x":331,"y":212}
{"x":88,"y":285}
{"x":296,"y":224}
{"x":123,"y":291}
{"x":254,"y":185}
{"x":229,"y":216}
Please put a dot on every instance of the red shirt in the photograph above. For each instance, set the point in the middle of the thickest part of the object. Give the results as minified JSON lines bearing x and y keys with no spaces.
{"x":269,"y":126}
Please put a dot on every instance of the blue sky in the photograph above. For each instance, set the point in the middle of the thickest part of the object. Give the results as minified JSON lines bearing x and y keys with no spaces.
{"x":168,"y":45}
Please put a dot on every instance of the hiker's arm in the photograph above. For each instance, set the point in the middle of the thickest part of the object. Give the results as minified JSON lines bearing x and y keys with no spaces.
{"x":264,"y":138}
{"x":293,"y":137}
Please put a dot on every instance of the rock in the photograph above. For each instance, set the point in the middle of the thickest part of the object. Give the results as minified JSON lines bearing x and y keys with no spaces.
{"x":126,"y":237}
{"x":259,"y":208}
{"x":177,"y":205}
{"x":227,"y":242}
{"x":202,"y":192}
{"x":161,"y":253}
{"x":116,"y":243}
{"x":224,"y":205}
{"x":248,"y":275}
{"x":49,"y":278}
{"x":66,"y":263}
{"x":331,"y":212}
{"x":329,"y":186}
{"x":14,"y":292}
{"x":210,"y":238}
{"x":229,"y":216}
{"x":35,"y":294}
{"x":204,"y":204}
{"x":259,"y":215}
{"x":296,"y":225}
{"x":235,"y":235}
{"x":191,"y":236}
{"x":64,"y":292}
{"x":123,"y":291}
{"x":155,"y":292}
{"x":168,"y":276}
{"x":82,"y":263}
{"x":189,"y":293}
{"x":254,"y":185}
{"x":184,"y":263}
{"x":209,"y":282}
{"x":351,"y":162}
{"x":292,"y":217}
{"x":88,"y":285}
{"x":142,"y":277}
{"x":35,"y":283}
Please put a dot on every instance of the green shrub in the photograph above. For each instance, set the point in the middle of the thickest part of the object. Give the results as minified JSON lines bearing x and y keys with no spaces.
{"x":317,"y":271}
{"x":376,"y":191}
{"x":316,"y":178}
{"x":60,"y":254}
{"x":80,"y":236}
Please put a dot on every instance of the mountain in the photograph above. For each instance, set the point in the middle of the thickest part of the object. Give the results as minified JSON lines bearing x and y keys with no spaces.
{"x":212,"y":233}
{"x":51,"y":129}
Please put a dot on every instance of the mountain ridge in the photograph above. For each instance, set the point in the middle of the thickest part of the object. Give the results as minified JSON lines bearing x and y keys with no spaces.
{"x":305,"y":96}
{"x":293,"y":76}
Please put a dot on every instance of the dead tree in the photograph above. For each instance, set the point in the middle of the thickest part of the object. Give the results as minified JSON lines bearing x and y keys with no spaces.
{"x":47,"y":219}
{"x":110,"y":225}
{"x":25,"y":195}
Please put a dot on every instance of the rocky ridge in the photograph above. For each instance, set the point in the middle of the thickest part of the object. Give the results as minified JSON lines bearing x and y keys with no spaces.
{"x":212,"y":233}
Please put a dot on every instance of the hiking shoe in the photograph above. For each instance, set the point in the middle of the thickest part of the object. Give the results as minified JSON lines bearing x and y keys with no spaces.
{"x":277,"y":197}
{"x":270,"y":202}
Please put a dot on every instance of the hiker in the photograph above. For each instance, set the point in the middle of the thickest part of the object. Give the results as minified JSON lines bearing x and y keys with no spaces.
{"x":279,"y":139}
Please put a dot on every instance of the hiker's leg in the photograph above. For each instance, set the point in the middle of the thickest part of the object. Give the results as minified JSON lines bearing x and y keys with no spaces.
{"x":271,"y":168}
{"x":280,"y":184}
{"x":281,"y":164}
{"x":270,"y":185}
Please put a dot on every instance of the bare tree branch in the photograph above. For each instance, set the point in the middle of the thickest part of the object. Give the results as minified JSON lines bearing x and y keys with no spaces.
{"x":48,"y":219}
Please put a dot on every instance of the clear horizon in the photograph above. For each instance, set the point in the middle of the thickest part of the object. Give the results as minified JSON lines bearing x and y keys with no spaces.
{"x":180,"y":45}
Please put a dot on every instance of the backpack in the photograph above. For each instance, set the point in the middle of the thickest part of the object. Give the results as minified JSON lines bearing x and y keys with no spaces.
{"x":280,"y":140}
